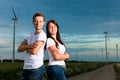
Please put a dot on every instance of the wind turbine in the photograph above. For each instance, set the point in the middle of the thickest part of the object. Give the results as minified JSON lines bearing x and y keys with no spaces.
{"x":14,"y":19}
{"x":117,"y":52}
{"x":106,"y":44}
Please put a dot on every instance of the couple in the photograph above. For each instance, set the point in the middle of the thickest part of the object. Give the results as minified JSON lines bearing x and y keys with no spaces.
{"x":34,"y":45}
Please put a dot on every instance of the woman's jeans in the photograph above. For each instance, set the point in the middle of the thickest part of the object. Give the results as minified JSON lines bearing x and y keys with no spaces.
{"x":55,"y":72}
{"x":33,"y":74}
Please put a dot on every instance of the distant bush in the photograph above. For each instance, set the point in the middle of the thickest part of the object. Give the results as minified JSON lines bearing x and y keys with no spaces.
{"x":74,"y":68}
{"x":117,"y":70}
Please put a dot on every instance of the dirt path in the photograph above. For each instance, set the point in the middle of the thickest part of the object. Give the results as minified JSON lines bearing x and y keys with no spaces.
{"x":103,"y":73}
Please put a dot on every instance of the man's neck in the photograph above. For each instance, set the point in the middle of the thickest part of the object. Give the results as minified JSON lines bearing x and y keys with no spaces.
{"x":37,"y":31}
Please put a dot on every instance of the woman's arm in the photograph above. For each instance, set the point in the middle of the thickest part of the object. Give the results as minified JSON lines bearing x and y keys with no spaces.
{"x":56,"y":54}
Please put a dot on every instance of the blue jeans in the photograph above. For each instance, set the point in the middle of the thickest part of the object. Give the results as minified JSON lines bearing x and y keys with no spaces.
{"x":33,"y":74}
{"x":55,"y":72}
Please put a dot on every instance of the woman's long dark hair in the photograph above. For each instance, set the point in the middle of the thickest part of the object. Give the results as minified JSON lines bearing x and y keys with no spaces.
{"x":57,"y":35}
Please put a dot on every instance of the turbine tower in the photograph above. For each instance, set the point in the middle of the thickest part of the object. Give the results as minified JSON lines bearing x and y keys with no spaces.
{"x":117,"y":52}
{"x":14,"y":19}
{"x":106,"y":36}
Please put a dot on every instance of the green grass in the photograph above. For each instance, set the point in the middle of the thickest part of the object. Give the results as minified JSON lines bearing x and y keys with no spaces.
{"x":12,"y":71}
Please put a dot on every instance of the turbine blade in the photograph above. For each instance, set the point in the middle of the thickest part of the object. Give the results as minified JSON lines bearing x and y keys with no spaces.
{"x":15,"y":17}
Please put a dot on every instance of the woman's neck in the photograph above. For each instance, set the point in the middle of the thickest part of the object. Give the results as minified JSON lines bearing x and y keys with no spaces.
{"x":54,"y":36}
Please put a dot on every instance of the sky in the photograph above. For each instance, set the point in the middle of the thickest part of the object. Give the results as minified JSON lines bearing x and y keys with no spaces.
{"x":82,"y":25}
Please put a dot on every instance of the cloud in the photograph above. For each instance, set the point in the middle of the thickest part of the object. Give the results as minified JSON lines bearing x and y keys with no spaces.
{"x":81,"y":22}
{"x":82,"y":38}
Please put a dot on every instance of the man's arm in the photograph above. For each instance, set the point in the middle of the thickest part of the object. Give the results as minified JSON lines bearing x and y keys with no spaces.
{"x":25,"y":47}
{"x":22,"y":47}
{"x":35,"y":47}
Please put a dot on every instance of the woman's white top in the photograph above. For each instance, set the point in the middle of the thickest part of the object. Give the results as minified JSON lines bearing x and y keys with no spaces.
{"x":35,"y":61}
{"x":51,"y":42}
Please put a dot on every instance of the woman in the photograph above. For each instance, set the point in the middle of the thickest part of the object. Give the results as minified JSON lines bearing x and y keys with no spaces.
{"x":57,"y":52}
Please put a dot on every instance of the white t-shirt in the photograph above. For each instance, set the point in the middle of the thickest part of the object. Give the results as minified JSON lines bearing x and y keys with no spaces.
{"x":35,"y":61}
{"x":62,"y":49}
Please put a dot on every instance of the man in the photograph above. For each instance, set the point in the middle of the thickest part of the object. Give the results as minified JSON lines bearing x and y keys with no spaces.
{"x":34,"y":44}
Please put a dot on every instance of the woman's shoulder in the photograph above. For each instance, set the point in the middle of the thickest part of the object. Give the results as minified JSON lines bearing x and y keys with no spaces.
{"x":50,"y":39}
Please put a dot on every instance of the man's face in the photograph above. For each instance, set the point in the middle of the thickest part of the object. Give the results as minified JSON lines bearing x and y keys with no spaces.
{"x":38,"y":22}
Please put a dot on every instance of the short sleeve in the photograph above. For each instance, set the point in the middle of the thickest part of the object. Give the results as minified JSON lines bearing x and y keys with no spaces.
{"x":41,"y":36}
{"x":50,"y":42}
{"x":28,"y":36}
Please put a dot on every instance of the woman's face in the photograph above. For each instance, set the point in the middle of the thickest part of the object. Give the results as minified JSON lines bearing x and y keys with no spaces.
{"x":52,"y":28}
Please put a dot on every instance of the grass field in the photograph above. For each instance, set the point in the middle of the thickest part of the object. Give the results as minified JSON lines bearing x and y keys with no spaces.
{"x":12,"y":71}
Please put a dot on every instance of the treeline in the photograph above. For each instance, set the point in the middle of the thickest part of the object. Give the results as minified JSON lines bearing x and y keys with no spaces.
{"x":9,"y":60}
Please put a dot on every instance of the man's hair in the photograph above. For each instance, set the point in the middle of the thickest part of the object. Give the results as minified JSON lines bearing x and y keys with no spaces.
{"x":38,"y":14}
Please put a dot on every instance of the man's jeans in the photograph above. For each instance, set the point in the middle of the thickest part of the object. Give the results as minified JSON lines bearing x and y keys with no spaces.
{"x":55,"y":72}
{"x":33,"y":74}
